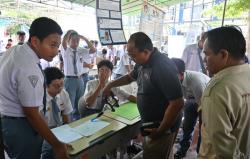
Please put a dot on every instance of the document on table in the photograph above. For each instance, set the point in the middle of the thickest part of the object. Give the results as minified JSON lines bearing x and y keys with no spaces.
{"x":66,"y":134}
{"x":90,"y":127}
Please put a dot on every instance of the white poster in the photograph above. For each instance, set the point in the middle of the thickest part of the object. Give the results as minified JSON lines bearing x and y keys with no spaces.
{"x":105,"y":36}
{"x":151,"y":23}
{"x":117,"y":36}
{"x":109,"y":5}
{"x":110,"y":23}
{"x":102,"y":13}
{"x":114,"y":14}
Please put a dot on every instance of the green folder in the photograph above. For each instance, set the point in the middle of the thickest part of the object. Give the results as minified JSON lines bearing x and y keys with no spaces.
{"x":127,"y":110}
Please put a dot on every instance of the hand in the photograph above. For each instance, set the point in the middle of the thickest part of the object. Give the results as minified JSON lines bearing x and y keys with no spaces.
{"x":103,"y":77}
{"x":61,"y":151}
{"x":91,"y":66}
{"x":154,"y":133}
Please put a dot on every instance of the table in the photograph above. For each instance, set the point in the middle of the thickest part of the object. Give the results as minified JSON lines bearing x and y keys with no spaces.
{"x":117,"y":134}
{"x":86,"y":143}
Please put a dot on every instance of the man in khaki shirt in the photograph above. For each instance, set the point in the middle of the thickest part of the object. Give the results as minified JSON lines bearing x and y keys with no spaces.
{"x":226,"y":101}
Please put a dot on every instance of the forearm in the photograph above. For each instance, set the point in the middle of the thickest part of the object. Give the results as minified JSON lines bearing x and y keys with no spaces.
{"x":91,"y":47}
{"x":171,"y":114}
{"x":37,"y":122}
{"x":65,"y":40}
{"x":124,"y":80}
{"x":92,"y":98}
{"x":86,"y":65}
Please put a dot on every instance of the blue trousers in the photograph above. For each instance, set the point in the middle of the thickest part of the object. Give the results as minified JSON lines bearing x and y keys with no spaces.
{"x":85,"y":78}
{"x":190,"y":118}
{"x":21,"y":141}
{"x":47,"y":151}
{"x":74,"y":86}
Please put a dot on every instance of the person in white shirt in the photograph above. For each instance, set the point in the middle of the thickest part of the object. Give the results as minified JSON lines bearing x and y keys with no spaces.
{"x":22,"y":91}
{"x":91,"y":102}
{"x":194,"y":57}
{"x":73,"y":60}
{"x":111,"y":54}
{"x":123,"y":65}
{"x":58,"y":106}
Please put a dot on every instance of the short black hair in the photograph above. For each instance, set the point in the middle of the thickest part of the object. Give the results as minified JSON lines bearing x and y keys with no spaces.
{"x":73,"y":33}
{"x":229,"y":38}
{"x":106,"y":63}
{"x":43,"y":27}
{"x":203,"y":36}
{"x":104,"y":51}
{"x":96,"y":42}
{"x":20,"y":33}
{"x":141,"y":41}
{"x":52,"y":73}
{"x":180,"y":64}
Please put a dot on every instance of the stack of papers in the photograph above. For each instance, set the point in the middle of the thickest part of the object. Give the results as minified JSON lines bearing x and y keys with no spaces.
{"x":67,"y":134}
{"x":90,"y":127}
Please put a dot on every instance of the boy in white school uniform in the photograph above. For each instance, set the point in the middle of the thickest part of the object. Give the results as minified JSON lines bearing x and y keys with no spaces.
{"x":58,"y":106}
{"x":73,"y":63}
{"x":22,"y":93}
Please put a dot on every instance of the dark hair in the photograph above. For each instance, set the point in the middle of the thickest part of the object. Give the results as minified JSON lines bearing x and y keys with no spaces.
{"x":141,"y":41}
{"x":203,"y":36}
{"x":10,"y":40}
{"x":20,"y":33}
{"x":180,"y":64}
{"x":104,"y":51}
{"x":105,"y":63}
{"x":43,"y":27}
{"x":52,"y":73}
{"x":229,"y":38}
{"x":96,"y":42}
{"x":74,"y":33}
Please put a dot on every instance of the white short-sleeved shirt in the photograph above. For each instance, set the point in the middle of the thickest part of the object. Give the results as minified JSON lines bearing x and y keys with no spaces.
{"x":191,"y":58}
{"x":91,"y":87}
{"x":21,"y":81}
{"x":87,"y":59}
{"x":194,"y":84}
{"x":65,"y":107}
{"x":68,"y":56}
{"x":124,"y":61}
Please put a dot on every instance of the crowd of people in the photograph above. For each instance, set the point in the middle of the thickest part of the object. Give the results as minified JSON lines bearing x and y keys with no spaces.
{"x":208,"y":84}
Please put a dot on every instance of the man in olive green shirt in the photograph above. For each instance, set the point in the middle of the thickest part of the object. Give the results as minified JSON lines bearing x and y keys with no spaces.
{"x":226,"y":100}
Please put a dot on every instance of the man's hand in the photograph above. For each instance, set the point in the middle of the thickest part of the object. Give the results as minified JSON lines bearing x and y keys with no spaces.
{"x":61,"y":151}
{"x":90,"y":66}
{"x":154,"y":133}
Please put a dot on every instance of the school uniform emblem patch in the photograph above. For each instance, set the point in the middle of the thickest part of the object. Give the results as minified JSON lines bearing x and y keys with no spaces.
{"x":33,"y":80}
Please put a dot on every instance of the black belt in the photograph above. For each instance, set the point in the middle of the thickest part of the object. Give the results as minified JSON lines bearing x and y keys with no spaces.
{"x":72,"y":76}
{"x":84,"y":74}
{"x":11,"y":117}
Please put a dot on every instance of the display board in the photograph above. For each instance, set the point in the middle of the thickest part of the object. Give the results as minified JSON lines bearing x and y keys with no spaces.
{"x":109,"y":22}
{"x":151,"y":23}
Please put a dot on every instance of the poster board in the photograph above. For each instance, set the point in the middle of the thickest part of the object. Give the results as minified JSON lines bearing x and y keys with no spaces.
{"x":109,"y":22}
{"x":151,"y":23}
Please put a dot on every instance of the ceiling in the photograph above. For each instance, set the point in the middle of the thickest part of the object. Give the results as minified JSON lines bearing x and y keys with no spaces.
{"x":128,"y":6}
